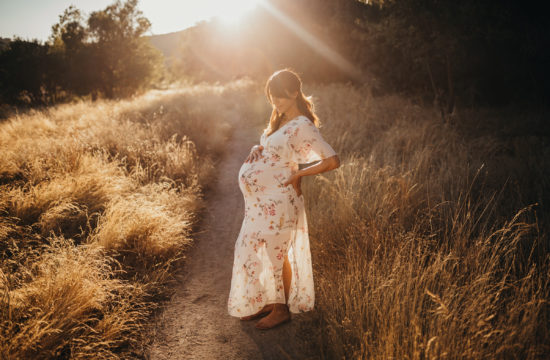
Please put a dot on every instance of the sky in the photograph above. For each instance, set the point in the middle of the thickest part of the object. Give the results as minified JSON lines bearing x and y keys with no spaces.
{"x":33,"y":19}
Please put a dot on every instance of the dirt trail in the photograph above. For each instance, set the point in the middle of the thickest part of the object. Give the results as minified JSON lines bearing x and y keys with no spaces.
{"x":195,"y":323}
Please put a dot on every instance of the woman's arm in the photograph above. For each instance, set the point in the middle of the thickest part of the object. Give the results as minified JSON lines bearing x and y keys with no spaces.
{"x":324,"y":165}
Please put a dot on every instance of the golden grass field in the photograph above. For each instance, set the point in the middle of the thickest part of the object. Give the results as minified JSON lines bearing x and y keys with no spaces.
{"x":426,"y":242}
{"x":98,"y":202}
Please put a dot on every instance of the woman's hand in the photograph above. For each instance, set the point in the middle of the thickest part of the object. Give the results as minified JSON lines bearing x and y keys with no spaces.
{"x":255,"y":153}
{"x":296,"y":181}
{"x":324,"y":165}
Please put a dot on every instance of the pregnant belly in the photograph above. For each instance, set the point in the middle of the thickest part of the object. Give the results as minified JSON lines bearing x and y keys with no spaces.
{"x":261,"y":177}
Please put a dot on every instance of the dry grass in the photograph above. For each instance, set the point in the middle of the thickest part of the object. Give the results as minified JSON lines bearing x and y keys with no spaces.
{"x":430,"y":241}
{"x":98,"y":202}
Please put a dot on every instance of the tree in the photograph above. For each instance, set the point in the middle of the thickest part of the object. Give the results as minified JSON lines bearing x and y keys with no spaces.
{"x":124,"y":59}
{"x":479,"y":52}
{"x":68,"y":44}
{"x":24,"y":68}
{"x":107,"y":54}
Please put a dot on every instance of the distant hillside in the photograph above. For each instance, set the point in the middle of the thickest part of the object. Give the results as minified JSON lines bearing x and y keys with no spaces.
{"x":169,"y":43}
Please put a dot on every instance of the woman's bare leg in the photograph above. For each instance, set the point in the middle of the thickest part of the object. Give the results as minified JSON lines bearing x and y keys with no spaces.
{"x":287,"y":276}
{"x":280,"y":312}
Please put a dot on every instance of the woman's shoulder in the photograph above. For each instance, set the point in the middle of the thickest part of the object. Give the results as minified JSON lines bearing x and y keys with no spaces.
{"x":301,"y":128}
{"x":304,"y":120}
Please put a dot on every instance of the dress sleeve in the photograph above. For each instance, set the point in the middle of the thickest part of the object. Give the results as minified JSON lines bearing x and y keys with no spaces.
{"x":262,"y":139}
{"x":307,"y":144}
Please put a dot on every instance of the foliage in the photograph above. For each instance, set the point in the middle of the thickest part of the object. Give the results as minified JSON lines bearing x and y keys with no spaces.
{"x":24,"y":71}
{"x":106,"y":55}
{"x":127,"y":60}
{"x":478,"y":53}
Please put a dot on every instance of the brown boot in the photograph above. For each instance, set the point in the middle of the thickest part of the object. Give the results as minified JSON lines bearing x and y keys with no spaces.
{"x":263,"y":311}
{"x":279,"y":315}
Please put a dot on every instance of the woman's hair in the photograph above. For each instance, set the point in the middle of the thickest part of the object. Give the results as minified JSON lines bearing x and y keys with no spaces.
{"x":281,"y":84}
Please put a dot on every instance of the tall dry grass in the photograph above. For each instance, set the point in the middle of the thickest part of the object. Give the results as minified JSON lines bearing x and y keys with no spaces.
{"x":427,"y":243}
{"x":431,"y":240}
{"x":98,"y":203}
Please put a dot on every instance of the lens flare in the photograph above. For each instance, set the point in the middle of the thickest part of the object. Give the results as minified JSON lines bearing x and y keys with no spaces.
{"x":232,"y":12}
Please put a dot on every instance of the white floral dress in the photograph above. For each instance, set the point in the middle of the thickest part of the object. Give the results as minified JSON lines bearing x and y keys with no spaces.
{"x":275,"y":223}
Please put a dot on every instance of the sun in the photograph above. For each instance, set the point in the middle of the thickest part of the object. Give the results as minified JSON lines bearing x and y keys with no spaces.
{"x":232,"y":12}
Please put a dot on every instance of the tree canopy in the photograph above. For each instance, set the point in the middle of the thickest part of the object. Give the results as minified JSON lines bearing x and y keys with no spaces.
{"x":104,"y":55}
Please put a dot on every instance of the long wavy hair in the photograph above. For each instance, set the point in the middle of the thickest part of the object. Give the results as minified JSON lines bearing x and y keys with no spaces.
{"x":282,"y":83}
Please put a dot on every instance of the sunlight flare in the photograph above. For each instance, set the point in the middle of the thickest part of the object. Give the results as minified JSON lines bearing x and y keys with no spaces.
{"x":313,"y":42}
{"x":232,"y":12}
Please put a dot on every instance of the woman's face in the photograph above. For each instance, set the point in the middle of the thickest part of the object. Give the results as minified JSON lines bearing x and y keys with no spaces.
{"x":283,"y":104}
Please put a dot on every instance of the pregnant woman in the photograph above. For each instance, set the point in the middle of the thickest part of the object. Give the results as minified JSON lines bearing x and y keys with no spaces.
{"x":272,"y":272}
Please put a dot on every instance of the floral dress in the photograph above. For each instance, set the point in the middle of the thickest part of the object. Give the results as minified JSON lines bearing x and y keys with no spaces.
{"x":275,"y":223}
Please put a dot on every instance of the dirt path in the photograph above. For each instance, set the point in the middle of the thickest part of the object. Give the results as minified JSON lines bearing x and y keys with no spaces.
{"x":195,"y":324}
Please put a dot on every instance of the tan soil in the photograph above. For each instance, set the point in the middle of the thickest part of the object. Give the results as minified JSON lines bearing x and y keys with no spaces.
{"x":195,"y":323}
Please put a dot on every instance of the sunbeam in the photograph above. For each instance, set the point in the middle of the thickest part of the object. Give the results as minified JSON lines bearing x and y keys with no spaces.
{"x":314,"y":43}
